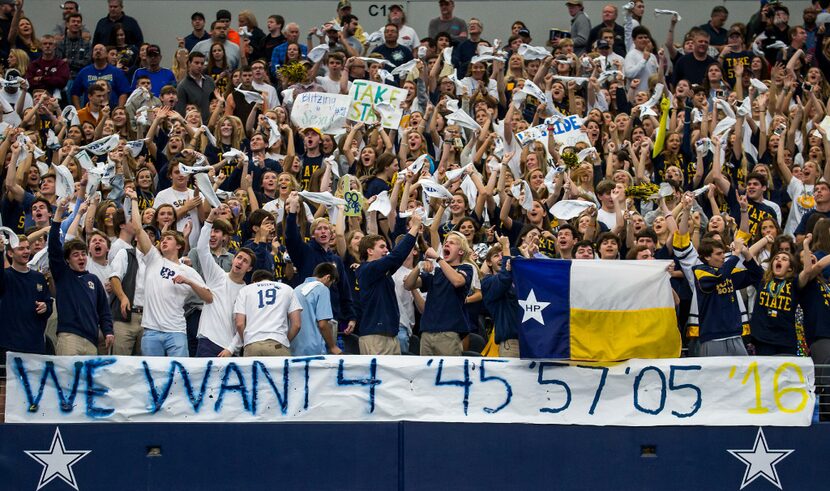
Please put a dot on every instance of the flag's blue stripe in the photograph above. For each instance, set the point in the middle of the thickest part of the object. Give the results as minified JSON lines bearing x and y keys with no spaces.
{"x":551,"y":282}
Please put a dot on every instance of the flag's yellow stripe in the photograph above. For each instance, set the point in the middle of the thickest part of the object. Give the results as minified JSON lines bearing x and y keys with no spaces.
{"x":605,"y":335}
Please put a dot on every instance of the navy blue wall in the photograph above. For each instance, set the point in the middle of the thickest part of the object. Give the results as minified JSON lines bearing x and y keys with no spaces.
{"x":409,"y":456}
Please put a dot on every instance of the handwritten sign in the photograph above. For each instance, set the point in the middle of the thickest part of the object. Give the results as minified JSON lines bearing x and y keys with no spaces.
{"x":354,"y":203}
{"x":777,"y":391}
{"x":320,"y":110}
{"x":387,"y":99}
{"x":565,"y":131}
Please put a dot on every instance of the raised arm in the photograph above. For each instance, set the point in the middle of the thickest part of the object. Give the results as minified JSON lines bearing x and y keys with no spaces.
{"x":143,"y":241}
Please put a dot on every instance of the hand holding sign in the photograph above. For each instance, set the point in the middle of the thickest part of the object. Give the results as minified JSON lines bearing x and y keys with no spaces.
{"x":354,"y":203}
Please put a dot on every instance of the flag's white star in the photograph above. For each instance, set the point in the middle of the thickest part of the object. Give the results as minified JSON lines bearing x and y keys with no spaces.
{"x":57,"y":462}
{"x":760,"y":461}
{"x":532,"y":308}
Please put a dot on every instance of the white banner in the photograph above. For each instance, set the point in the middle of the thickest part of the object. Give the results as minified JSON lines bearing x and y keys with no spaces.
{"x":565,"y":131}
{"x":320,"y":110}
{"x":387,"y":99}
{"x":776,"y":391}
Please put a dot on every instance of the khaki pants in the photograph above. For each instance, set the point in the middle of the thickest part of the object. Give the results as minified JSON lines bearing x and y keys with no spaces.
{"x":73,"y":345}
{"x":128,"y":336}
{"x":441,"y":344}
{"x":269,"y":347}
{"x":378,"y":344}
{"x":509,"y":349}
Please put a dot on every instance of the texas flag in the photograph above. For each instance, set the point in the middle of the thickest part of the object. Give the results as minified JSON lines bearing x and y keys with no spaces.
{"x":595,"y":310}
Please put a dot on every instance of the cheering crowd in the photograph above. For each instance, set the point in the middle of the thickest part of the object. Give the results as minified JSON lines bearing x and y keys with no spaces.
{"x":186,"y":211}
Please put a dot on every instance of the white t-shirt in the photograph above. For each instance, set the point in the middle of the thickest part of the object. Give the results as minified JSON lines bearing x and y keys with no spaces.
{"x":216,"y":322}
{"x":118,"y":267}
{"x":102,"y":272}
{"x":409,"y":38}
{"x":164,"y":300}
{"x":273,"y":98}
{"x":330,"y":86}
{"x":266,"y":306}
{"x":177,"y":199}
{"x":607,"y":218}
{"x":116,"y":246}
{"x":803,"y":200}
{"x":406,"y":304}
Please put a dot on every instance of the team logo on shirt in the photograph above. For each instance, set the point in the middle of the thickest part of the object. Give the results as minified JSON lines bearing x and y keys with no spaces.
{"x":91,"y":285}
{"x":166,"y":273}
{"x":39,"y":287}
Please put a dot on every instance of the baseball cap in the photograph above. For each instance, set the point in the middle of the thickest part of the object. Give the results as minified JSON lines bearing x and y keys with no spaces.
{"x":574,"y":2}
{"x":311,"y":128}
{"x":197,"y":15}
{"x":524,"y":32}
{"x":396,"y":6}
{"x":12,"y":73}
{"x":602,"y":44}
{"x":153,"y":50}
{"x":344,"y":4}
{"x":223,"y":15}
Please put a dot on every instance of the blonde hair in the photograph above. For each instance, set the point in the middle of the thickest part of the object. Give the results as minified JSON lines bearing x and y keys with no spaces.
{"x":250,"y":18}
{"x":22,"y":60}
{"x":467,"y":252}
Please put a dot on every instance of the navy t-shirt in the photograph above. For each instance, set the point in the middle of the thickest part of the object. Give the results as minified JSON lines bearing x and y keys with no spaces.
{"x":444,"y":309}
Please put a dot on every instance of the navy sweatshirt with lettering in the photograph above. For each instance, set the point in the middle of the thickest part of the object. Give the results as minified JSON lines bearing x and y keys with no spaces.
{"x":81,"y":299}
{"x":718,"y":311}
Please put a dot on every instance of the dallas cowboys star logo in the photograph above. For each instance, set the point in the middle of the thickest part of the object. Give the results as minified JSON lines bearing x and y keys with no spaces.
{"x":57,"y":462}
{"x":760,"y":461}
{"x":532,"y":308}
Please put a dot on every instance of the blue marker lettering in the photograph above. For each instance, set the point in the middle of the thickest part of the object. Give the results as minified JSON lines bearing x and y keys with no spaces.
{"x":93,"y":391}
{"x":507,"y":386}
{"x":282,"y":399}
{"x":698,"y":395}
{"x":306,"y":360}
{"x":542,"y":381}
{"x":372,"y":381}
{"x":238,"y":387}
{"x":638,"y":379}
{"x":157,"y":400}
{"x":66,"y":401}
{"x":600,"y":386}
{"x":466,"y":383}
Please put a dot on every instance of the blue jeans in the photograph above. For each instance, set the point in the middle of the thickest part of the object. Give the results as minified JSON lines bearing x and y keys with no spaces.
{"x":403,"y":337}
{"x":157,"y":343}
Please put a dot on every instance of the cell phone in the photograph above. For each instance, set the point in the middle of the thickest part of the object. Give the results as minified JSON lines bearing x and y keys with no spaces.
{"x":807,"y":87}
{"x":422,"y":52}
{"x":720,"y":94}
{"x":778,"y":130}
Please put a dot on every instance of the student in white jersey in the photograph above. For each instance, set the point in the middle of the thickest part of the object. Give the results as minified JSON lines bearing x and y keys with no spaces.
{"x":167,"y":283}
{"x":267,"y":316}
{"x":188,"y":204}
{"x":217,"y":334}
